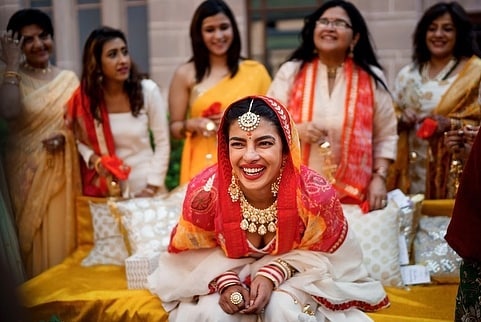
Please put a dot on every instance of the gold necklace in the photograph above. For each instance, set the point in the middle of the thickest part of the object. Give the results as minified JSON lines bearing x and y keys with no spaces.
{"x":331,"y":72}
{"x":46,"y":70}
{"x":258,"y":220}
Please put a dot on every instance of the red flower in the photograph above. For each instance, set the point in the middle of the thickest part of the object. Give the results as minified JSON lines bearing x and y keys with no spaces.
{"x":115,"y":166}
{"x":427,"y":128}
{"x":213,"y":109}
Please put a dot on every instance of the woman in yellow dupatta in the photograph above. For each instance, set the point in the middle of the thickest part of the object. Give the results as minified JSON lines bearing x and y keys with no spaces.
{"x":202,"y":88}
{"x":335,"y":90}
{"x":41,"y":158}
{"x":262,"y":237}
{"x":441,"y":84}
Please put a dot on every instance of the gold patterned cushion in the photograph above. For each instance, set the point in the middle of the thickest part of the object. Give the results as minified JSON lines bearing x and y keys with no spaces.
{"x":149,"y":221}
{"x":109,"y":246}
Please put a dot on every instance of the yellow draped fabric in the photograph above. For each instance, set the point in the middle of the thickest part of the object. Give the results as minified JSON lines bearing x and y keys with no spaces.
{"x":433,"y":303}
{"x":99,"y":293}
{"x":200,"y":152}
{"x":43,"y":185}
{"x":460,"y":103}
{"x":73,"y":293}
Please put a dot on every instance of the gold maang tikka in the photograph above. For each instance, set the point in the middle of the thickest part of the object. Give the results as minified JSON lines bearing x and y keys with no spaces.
{"x":249,"y":121}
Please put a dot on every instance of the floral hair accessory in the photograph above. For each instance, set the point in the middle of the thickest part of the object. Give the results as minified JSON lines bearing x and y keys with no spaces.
{"x":249,"y":121}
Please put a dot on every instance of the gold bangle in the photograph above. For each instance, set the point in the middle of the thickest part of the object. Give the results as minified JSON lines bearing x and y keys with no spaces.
{"x":97,"y":164}
{"x":10,"y":73}
{"x":11,"y":81}
{"x":183,"y":129}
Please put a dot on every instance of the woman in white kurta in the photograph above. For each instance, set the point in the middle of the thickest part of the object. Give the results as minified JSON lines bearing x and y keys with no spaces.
{"x":116,"y":113}
{"x":335,"y":90}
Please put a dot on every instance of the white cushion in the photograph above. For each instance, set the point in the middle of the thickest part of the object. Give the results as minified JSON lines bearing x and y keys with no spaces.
{"x":378,"y":234}
{"x":109,"y":246}
{"x":149,"y":221}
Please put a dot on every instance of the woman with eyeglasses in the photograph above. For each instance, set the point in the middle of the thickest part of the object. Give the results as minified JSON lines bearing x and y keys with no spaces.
{"x":334,"y":87}
{"x":440,"y":87}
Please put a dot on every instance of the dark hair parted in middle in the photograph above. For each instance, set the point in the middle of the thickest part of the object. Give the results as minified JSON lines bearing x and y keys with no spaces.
{"x":364,"y":55}
{"x":92,"y":74}
{"x":465,"y":45}
{"x":200,"y":51}
{"x":259,"y":107}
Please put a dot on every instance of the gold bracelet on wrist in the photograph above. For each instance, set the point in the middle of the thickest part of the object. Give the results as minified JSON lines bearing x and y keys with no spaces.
{"x":10,"y":73}
{"x":97,"y":164}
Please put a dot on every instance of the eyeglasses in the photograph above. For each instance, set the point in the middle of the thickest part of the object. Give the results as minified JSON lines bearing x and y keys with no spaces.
{"x":336,"y":23}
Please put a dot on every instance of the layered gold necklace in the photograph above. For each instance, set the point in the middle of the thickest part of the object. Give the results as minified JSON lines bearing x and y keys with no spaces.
{"x":256,"y":220}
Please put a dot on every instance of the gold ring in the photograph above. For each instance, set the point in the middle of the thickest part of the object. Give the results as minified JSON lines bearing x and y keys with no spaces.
{"x":236,"y":298}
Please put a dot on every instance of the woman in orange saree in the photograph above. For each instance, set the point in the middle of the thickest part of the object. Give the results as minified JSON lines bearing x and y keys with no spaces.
{"x":202,"y":88}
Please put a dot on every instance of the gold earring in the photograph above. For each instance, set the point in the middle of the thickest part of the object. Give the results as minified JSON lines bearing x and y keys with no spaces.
{"x":234,"y":190}
{"x":275,"y":185}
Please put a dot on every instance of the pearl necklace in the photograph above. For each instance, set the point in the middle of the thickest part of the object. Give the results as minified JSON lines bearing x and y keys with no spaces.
{"x":255,"y":220}
{"x":46,"y":70}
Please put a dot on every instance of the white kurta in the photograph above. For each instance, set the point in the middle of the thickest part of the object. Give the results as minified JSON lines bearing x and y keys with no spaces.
{"x":132,"y":141}
{"x":328,"y":112}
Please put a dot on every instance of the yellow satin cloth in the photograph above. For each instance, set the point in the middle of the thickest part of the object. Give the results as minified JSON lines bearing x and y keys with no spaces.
{"x":431,"y":303}
{"x":99,"y":293}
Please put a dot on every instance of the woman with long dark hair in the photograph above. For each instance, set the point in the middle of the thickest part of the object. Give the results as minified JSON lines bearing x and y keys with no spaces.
{"x":203,"y":87}
{"x":334,"y":87}
{"x":119,"y":118}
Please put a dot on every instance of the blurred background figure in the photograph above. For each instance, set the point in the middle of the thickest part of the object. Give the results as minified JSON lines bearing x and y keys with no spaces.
{"x":436,"y":96}
{"x":464,"y":237}
{"x":40,"y":159}
{"x":203,"y":87}
{"x":119,"y":118}
{"x":334,"y":87}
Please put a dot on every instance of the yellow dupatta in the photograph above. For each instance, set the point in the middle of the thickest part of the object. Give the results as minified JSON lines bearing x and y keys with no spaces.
{"x":200,"y":152}
{"x":43,"y":186}
{"x":460,"y":103}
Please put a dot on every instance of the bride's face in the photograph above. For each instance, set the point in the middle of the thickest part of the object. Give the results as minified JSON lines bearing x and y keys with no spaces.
{"x":256,"y":156}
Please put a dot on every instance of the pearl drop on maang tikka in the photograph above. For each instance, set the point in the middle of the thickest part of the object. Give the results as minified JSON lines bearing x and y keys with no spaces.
{"x":249,"y":121}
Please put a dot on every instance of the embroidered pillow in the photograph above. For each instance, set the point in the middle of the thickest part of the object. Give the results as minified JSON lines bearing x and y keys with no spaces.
{"x":378,"y":234}
{"x":432,"y":250}
{"x":149,"y":221}
{"x":109,"y":246}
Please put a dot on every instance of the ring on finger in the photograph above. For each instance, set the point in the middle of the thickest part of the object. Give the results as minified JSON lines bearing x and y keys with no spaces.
{"x":236,"y":298}
{"x":383,"y":203}
{"x":15,"y":41}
